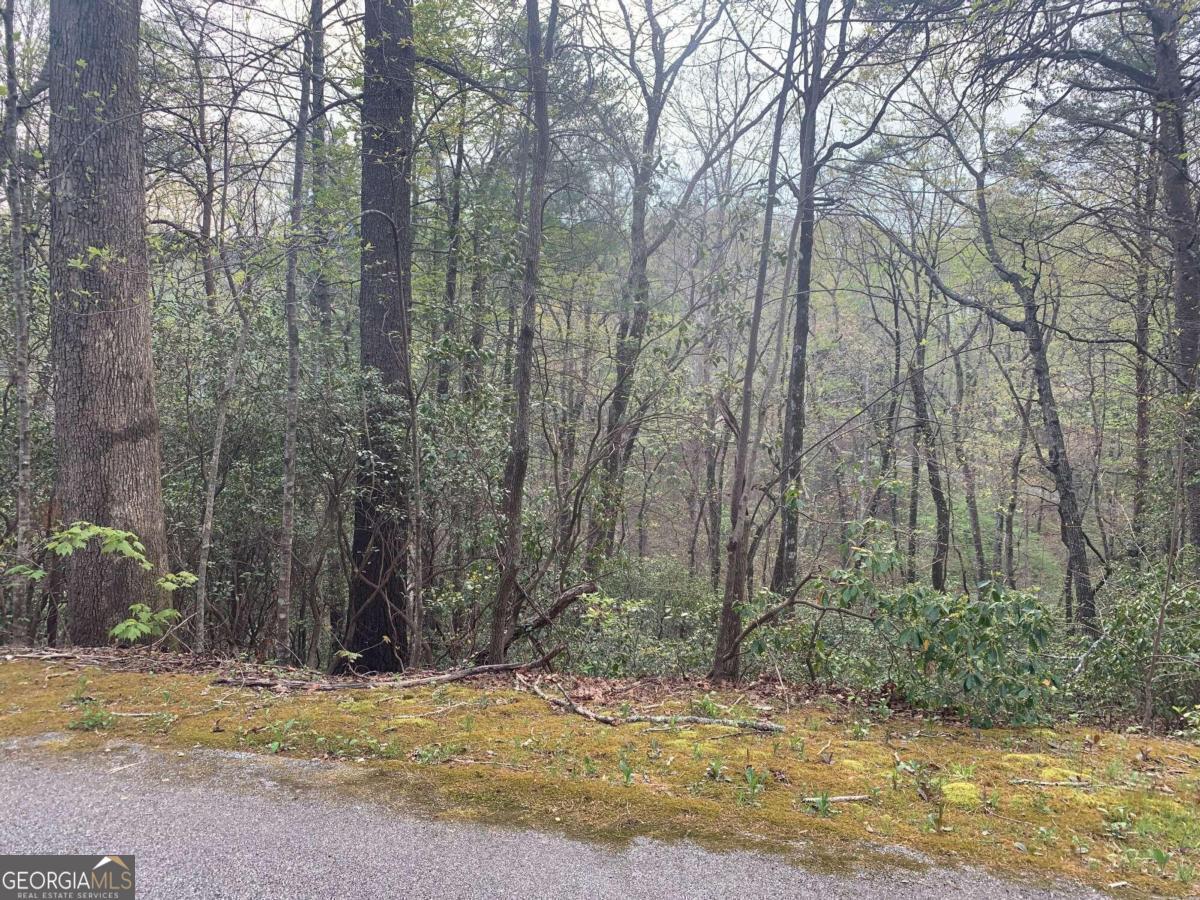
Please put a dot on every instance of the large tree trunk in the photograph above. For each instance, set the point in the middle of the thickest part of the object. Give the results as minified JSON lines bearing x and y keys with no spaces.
{"x":106,"y":419}
{"x":376,"y":626}
{"x":22,"y":594}
{"x":1173,"y":154}
{"x":508,"y":592}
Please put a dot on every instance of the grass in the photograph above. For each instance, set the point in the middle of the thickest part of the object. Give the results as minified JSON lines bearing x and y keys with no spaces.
{"x":1126,"y":814}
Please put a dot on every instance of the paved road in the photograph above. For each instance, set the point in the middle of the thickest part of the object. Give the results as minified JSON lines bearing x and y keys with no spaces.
{"x":210,"y":825}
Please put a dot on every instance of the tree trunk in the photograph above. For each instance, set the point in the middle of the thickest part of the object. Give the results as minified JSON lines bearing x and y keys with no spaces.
{"x":508,"y":591}
{"x":453,"y":248}
{"x":287,"y":528}
{"x":14,"y":183}
{"x":1010,"y":510}
{"x":376,"y":627}
{"x":322,"y":290}
{"x":793,"y":423}
{"x":1060,"y":468}
{"x":937,"y":491}
{"x":106,"y":418}
{"x":1173,"y":153}
{"x":212,"y":478}
{"x":914,"y":502}
{"x":727,"y":655}
{"x":967,"y":469}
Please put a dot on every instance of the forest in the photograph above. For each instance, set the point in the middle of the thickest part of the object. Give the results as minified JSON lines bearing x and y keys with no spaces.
{"x":839,"y":342}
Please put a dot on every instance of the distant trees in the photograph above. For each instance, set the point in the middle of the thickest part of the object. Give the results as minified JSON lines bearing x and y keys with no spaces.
{"x":1128,"y":58}
{"x":447,"y":333}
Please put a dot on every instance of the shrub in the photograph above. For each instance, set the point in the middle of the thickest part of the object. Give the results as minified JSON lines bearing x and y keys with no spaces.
{"x":982,"y":656}
{"x":1115,"y":671}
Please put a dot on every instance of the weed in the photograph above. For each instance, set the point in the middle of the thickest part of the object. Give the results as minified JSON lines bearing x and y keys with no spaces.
{"x":160,"y":723}
{"x":756,"y":783}
{"x":433,"y":754}
{"x":93,"y":718}
{"x":962,"y":771}
{"x":821,"y":805}
{"x":706,"y":706}
{"x":1160,"y":858}
{"x":626,"y":769}
{"x":1118,"y":822}
{"x":280,"y":734}
{"x":80,"y":695}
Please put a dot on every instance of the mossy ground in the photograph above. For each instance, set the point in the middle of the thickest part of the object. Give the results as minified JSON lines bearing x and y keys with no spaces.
{"x":1130,"y":812}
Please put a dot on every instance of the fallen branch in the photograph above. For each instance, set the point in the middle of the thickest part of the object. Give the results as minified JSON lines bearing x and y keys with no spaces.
{"x":845,"y":798}
{"x":1033,"y":782}
{"x":374,"y":683}
{"x":560,"y":605}
{"x":565,"y":702}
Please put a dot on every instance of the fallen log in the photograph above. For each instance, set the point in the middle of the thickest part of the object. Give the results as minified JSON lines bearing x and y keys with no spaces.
{"x":565,"y":702}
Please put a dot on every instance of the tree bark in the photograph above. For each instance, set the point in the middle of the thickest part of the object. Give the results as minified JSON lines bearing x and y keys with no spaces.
{"x":212,"y":477}
{"x":376,"y":628}
{"x":1173,"y":153}
{"x":14,"y":184}
{"x":793,"y":423}
{"x":106,"y":418}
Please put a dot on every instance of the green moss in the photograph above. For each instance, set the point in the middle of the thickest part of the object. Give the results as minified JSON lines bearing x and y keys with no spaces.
{"x":962,"y":793}
{"x":500,"y":755}
{"x":1028,"y":760}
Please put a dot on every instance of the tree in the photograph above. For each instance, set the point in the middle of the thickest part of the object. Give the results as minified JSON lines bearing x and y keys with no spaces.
{"x":377,"y":628}
{"x":291,"y":314}
{"x":539,"y":47}
{"x":106,"y":418}
{"x":1138,"y":49}
{"x":726,"y":658}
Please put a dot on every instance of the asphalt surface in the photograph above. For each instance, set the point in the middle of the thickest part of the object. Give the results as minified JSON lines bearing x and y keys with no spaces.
{"x":217,"y":825}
